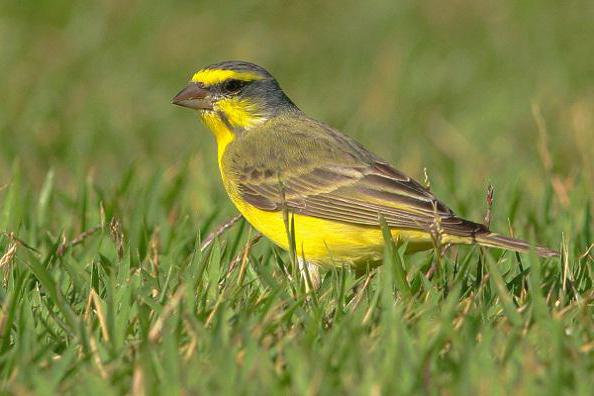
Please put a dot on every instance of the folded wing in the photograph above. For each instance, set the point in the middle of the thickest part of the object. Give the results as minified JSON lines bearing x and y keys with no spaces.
{"x":356,"y":194}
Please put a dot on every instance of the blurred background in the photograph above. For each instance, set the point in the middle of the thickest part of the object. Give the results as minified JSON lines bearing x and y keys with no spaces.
{"x":477,"y":92}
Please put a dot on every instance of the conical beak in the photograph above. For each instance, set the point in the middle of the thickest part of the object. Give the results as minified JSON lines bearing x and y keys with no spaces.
{"x":193,"y":96}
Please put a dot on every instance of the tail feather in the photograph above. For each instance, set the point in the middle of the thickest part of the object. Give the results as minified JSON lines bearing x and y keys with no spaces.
{"x":490,"y":239}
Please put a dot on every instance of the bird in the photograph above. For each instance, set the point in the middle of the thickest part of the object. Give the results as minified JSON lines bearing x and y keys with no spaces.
{"x":277,"y":163}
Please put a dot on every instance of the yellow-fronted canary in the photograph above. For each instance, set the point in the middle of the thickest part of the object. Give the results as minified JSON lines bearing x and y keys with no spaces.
{"x":275,"y":160}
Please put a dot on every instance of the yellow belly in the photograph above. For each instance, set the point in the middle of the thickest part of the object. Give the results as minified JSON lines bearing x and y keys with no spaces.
{"x":329,"y":243}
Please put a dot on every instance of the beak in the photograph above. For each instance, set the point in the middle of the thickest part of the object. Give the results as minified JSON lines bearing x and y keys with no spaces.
{"x":193,"y":96}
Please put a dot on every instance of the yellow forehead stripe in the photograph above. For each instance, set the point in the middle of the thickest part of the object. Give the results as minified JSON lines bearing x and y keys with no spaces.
{"x":215,"y":76}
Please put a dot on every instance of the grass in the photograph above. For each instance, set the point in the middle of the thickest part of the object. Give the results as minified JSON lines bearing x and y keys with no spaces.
{"x":107,"y":193}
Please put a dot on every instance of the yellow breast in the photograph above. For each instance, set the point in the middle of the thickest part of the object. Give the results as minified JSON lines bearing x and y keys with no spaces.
{"x":328,"y":243}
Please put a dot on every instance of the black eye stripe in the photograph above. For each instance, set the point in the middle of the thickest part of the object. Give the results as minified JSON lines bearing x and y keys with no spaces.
{"x":233,"y":86}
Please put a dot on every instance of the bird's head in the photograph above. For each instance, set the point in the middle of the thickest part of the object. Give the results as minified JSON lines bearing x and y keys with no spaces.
{"x":234,"y":94}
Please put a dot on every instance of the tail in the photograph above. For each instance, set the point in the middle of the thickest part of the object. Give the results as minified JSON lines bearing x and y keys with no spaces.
{"x":490,"y":239}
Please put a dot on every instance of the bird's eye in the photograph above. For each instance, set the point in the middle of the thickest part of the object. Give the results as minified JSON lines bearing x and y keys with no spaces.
{"x":233,"y":86}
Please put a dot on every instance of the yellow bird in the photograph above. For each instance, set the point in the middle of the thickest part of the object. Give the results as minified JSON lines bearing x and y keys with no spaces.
{"x":275,"y":160}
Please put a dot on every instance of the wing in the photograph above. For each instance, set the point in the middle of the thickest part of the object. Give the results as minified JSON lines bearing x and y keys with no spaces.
{"x":337,"y":179}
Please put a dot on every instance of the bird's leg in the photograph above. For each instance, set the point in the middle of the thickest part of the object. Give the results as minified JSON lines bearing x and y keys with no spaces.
{"x":310,"y":273}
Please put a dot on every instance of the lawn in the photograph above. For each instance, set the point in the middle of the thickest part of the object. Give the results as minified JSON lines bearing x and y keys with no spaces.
{"x":108,"y":194}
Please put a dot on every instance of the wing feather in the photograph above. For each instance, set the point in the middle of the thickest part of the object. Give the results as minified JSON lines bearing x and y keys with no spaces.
{"x":358,"y":196}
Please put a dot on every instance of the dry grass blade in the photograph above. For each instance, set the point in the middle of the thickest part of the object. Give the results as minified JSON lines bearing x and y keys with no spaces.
{"x":354,"y":303}
{"x":9,"y":254}
{"x":155,"y":331}
{"x":587,"y":253}
{"x":220,"y":230}
{"x":97,"y":359}
{"x":80,"y":238}
{"x":241,"y":258}
{"x":94,"y":299}
{"x":138,"y":388}
{"x":489,"y":199}
{"x":244,"y":258}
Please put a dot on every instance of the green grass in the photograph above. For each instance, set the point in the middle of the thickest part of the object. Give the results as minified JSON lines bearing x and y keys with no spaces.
{"x":107,"y":192}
